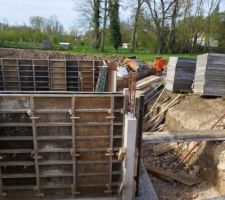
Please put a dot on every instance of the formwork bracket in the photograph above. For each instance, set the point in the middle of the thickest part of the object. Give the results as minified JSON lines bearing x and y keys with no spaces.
{"x":110,"y":117}
{"x":109,"y":152}
{"x":121,"y":187}
{"x":74,"y":192}
{"x":3,"y":194}
{"x":122,"y":153}
{"x":73,"y":153}
{"x":38,"y":193}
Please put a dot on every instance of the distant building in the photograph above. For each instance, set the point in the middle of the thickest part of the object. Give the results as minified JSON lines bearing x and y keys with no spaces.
{"x":211,"y":42}
{"x":64,"y":45}
{"x":47,"y":44}
{"x":125,"y":45}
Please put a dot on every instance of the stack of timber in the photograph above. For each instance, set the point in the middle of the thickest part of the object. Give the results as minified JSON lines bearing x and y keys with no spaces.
{"x":149,"y":87}
{"x":180,"y":74}
{"x":210,"y":75}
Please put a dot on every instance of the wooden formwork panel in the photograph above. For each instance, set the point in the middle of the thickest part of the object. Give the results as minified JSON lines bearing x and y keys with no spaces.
{"x":68,"y":143}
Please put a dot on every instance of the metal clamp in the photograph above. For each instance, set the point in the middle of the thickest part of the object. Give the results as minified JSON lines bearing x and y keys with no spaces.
{"x":33,"y":117}
{"x":121,"y":154}
{"x":74,"y":117}
{"x":3,"y":194}
{"x":109,"y":152}
{"x":73,"y":153}
{"x":74,"y":192}
{"x":121,"y":187}
{"x":38,"y":193}
{"x":108,"y":191}
{"x":110,"y":117}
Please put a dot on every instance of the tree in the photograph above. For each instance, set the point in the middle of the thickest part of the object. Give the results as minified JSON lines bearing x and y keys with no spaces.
{"x":136,"y":18}
{"x":160,"y":12}
{"x":105,"y":17}
{"x":37,"y":23}
{"x":171,"y":37}
{"x":116,"y":36}
{"x":96,"y":23}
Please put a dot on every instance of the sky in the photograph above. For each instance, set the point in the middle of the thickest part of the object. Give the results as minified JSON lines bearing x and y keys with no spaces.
{"x":18,"y":12}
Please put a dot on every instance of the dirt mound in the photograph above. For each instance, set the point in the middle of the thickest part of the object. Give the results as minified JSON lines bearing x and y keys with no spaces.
{"x":41,"y":54}
{"x":195,"y":113}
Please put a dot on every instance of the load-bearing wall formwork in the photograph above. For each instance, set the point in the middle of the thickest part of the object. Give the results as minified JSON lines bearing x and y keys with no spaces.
{"x":56,"y":142}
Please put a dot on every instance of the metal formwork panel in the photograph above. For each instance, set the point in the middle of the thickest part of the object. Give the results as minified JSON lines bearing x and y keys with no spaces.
{"x":61,"y":144}
{"x":41,"y":75}
{"x":11,"y":74}
{"x":58,"y":75}
{"x":48,"y":75}
{"x":72,"y":74}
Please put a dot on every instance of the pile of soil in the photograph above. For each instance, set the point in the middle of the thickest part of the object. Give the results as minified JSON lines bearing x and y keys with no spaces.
{"x":42,"y":54}
{"x":192,"y":112}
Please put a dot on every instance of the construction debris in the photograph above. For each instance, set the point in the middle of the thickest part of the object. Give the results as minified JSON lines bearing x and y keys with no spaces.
{"x":169,"y":176}
{"x":162,"y":148}
{"x":180,"y":74}
{"x":210,"y":75}
{"x":148,"y":81}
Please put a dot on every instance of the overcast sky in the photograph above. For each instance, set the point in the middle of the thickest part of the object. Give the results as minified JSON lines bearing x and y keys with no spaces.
{"x":19,"y":11}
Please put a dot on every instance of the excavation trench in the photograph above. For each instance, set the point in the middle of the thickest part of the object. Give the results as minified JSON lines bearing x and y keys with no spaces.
{"x":205,"y":163}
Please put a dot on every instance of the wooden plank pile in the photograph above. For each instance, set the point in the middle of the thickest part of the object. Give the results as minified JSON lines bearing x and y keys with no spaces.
{"x":149,"y":87}
{"x":210,"y":75}
{"x":180,"y":74}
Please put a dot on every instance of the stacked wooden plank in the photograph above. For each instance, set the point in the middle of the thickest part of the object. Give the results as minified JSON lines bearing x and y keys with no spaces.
{"x":210,"y":75}
{"x":180,"y":74}
{"x":149,"y":87}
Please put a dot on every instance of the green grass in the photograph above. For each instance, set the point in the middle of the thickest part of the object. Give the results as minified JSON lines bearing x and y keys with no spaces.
{"x":144,"y":55}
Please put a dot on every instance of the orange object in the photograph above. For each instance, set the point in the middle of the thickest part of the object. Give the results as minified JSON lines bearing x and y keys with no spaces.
{"x":160,"y":64}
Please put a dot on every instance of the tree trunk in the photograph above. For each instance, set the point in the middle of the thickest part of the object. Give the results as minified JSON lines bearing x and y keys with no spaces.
{"x":133,"y":40}
{"x":160,"y":42}
{"x":96,"y":22}
{"x":104,"y":25}
{"x":171,"y":37}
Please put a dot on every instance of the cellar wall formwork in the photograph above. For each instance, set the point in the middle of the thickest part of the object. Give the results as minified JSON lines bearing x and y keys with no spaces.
{"x":49,"y":75}
{"x":60,"y":145}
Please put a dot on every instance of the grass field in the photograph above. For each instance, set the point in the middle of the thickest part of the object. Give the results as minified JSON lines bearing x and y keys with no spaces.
{"x":140,"y":54}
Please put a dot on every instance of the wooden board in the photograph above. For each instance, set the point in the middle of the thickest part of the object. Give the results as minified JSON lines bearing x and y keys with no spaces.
{"x":143,"y":83}
{"x":180,"y":136}
{"x":185,"y":179}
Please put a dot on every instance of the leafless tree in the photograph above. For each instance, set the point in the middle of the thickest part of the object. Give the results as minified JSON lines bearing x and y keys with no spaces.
{"x":136,"y":18}
{"x":105,"y":17}
{"x":160,"y":12}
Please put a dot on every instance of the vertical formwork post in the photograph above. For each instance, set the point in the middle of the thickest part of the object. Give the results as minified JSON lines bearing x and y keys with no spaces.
{"x":3,"y":76}
{"x":130,"y":158}
{"x":73,"y":152}
{"x":34,"y":77}
{"x":2,"y":193}
{"x":109,"y":191}
{"x":139,"y":115}
{"x":35,"y":143}
{"x":93,"y":76}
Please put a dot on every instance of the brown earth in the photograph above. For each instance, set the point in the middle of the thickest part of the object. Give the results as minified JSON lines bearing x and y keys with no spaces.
{"x":42,"y":54}
{"x":191,"y":113}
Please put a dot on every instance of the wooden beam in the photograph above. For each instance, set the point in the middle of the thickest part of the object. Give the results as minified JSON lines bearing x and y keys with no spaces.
{"x":180,"y":136}
{"x":167,"y":175}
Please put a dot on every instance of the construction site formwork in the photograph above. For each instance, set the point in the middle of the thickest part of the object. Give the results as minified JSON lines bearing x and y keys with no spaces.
{"x":49,"y":75}
{"x":61,"y":144}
